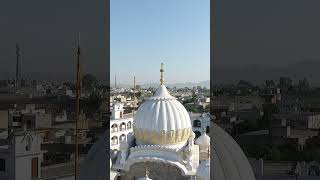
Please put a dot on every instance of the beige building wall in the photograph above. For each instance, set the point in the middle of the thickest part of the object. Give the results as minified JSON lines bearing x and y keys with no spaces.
{"x":4,"y":118}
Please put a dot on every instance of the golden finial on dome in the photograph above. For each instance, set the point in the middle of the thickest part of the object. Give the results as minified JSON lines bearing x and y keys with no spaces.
{"x":161,"y":74}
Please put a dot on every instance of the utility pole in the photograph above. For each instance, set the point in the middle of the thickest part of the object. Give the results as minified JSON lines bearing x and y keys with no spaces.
{"x":213,"y":44}
{"x":78,"y":87}
{"x":17,"y":83}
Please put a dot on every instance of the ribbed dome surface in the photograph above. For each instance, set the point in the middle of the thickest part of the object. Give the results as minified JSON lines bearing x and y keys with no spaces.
{"x":230,"y":162}
{"x":162,"y":113}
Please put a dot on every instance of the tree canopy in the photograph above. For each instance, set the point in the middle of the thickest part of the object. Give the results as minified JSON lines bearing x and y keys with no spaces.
{"x":89,"y":81}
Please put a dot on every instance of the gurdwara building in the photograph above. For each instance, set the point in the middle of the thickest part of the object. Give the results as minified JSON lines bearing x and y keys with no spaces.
{"x":163,"y":146}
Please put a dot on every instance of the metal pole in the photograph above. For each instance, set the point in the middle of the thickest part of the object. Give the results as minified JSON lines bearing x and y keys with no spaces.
{"x":17,"y":66}
{"x":77,"y":110}
{"x":213,"y":46}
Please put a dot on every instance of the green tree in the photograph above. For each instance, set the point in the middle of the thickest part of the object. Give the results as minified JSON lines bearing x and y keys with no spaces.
{"x":262,"y":151}
{"x":247,"y":126}
{"x":311,"y":154}
{"x":275,"y":155}
{"x":89,"y":81}
{"x":93,"y":103}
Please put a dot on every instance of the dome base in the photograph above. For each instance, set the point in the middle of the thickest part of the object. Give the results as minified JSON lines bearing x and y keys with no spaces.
{"x":172,"y":146}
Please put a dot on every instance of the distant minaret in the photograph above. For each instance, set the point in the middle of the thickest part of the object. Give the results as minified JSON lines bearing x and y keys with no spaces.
{"x":134,"y":94}
{"x":134,"y":86}
{"x":115,"y":81}
{"x":18,"y":68}
{"x":161,"y":74}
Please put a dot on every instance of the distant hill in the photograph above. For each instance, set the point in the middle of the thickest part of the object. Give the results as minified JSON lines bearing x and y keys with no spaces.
{"x":181,"y":85}
{"x":258,"y":73}
{"x":100,"y":76}
{"x":177,"y":85}
{"x":255,"y":73}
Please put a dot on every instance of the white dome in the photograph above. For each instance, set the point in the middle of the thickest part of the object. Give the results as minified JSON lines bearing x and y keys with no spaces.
{"x":95,"y":164}
{"x":203,"y":140}
{"x":231,"y":163}
{"x":203,"y":170}
{"x":162,"y":119}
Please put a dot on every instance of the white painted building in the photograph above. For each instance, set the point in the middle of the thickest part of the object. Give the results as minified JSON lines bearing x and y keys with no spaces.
{"x":69,"y":92}
{"x":296,"y":120}
{"x":21,"y":156}
{"x":120,"y":126}
{"x":200,"y":123}
{"x":34,"y":118}
{"x":61,"y":117}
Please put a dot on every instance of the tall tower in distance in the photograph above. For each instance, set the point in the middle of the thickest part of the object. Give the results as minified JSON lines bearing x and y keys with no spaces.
{"x":115,"y":81}
{"x":18,"y":68}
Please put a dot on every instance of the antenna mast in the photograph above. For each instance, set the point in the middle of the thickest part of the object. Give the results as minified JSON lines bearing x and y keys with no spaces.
{"x":78,"y":88}
{"x":17,"y":83}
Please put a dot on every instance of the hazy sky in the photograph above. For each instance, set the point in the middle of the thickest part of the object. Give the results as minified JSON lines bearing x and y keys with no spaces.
{"x":145,"y":33}
{"x":272,"y":33}
{"x":47,"y":32}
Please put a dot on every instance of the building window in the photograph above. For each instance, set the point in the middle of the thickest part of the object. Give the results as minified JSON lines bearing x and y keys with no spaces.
{"x":207,"y":129}
{"x":197,"y":133}
{"x":2,"y":165}
{"x":122,"y":137}
{"x":114,"y":128}
{"x":129,"y":125}
{"x":114,"y":140}
{"x":123,"y":126}
{"x":28,"y":146}
{"x":197,"y":123}
{"x":121,"y":114}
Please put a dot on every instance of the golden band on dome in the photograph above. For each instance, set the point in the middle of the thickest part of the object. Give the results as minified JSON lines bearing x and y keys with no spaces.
{"x":146,"y":135}
{"x":178,"y":135}
{"x":171,"y":136}
{"x":155,"y":136}
{"x":162,"y":138}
